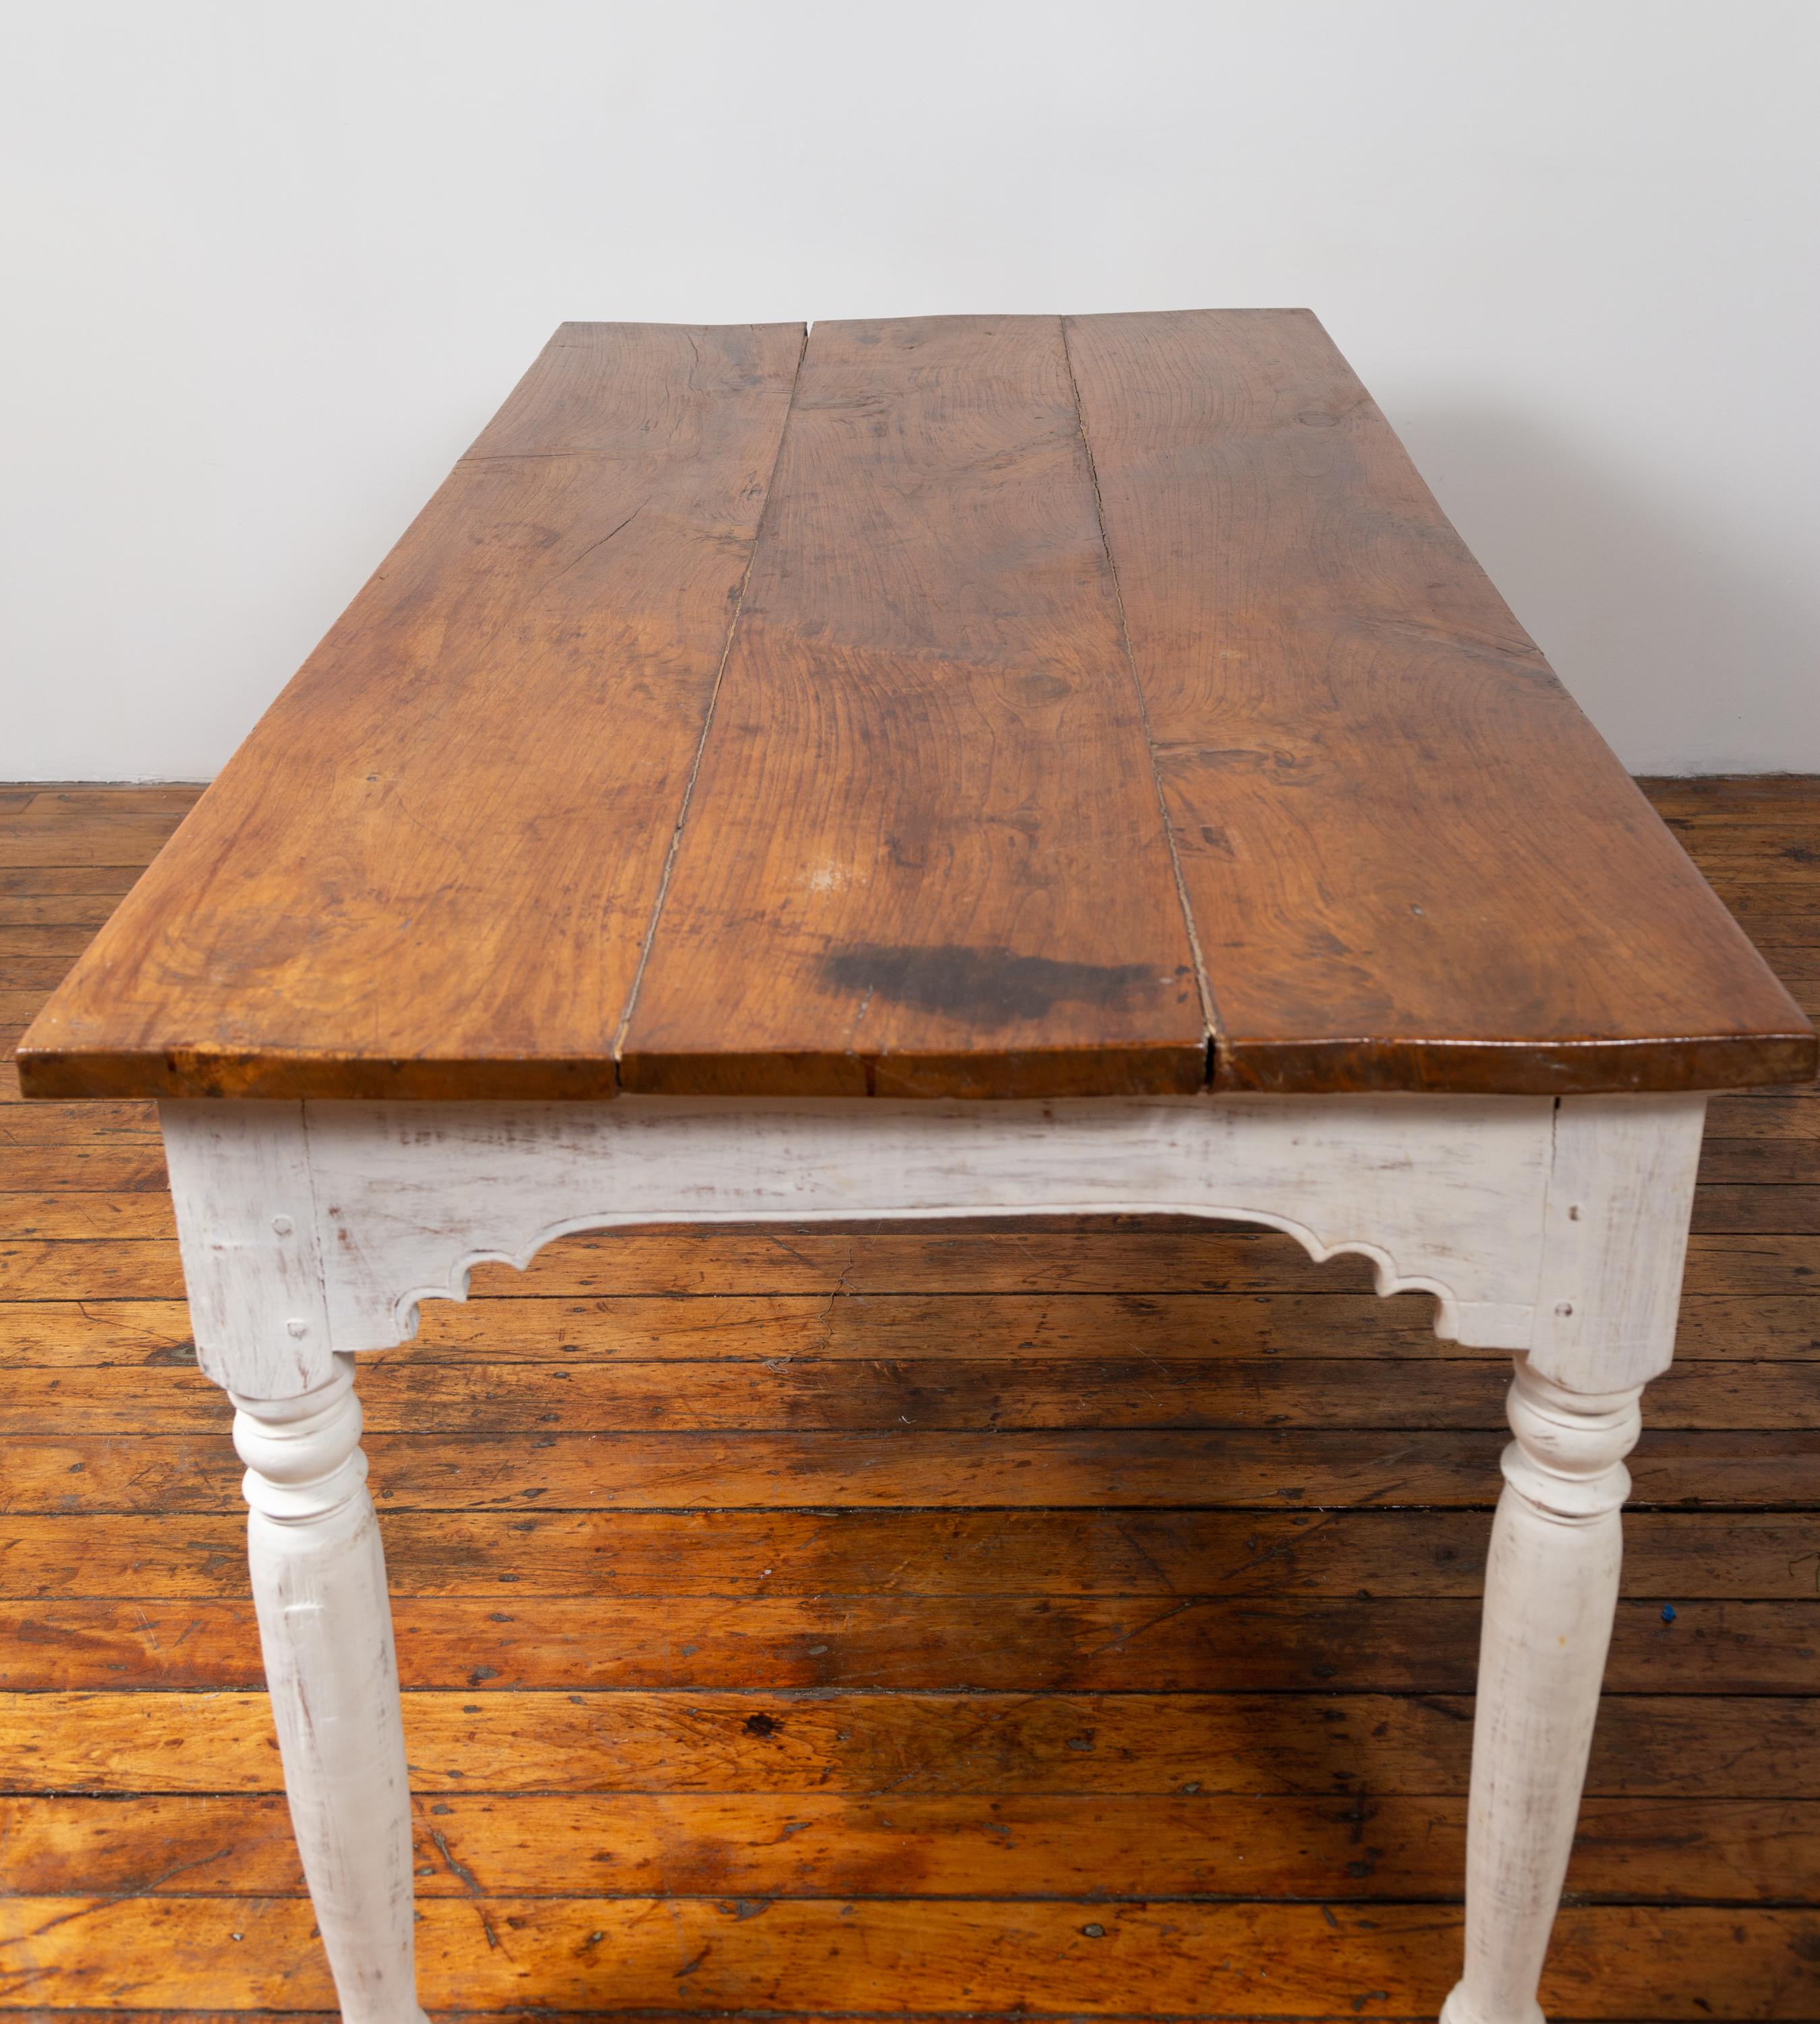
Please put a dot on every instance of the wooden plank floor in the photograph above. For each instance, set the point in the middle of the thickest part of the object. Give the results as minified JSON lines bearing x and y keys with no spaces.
{"x":1057,"y":1619}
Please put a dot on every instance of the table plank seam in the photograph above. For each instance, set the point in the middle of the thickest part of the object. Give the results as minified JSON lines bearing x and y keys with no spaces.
{"x":1210,"y":1003}
{"x":707,"y":725}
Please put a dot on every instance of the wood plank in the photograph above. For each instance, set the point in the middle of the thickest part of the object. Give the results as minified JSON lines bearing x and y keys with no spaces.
{"x":818,"y":1844}
{"x":110,"y":1167}
{"x":1758,"y":1161}
{"x":86,"y":1214}
{"x":1725,"y":796}
{"x":1781,"y":839}
{"x":128,"y":844}
{"x":536,"y":1329}
{"x":1747,"y":1329}
{"x":1666,"y":1746}
{"x":1751,"y":1265}
{"x":557,"y":613}
{"x":756,"y":1394}
{"x":1190,"y":1958}
{"x":1014,"y":1471}
{"x":61,"y":1124}
{"x":85,"y":909}
{"x":81,"y":805}
{"x":129,"y":1267}
{"x":1782,"y":1114}
{"x":1668,"y":1555}
{"x":19,"y":885}
{"x":753,"y":1392}
{"x":1790,"y":838}
{"x":1737,"y":1329}
{"x":1762,"y":898}
{"x":1757,"y":1210}
{"x":40,"y":939}
{"x":36,"y":971}
{"x":1411,"y":861}
{"x":1762,"y":890}
{"x":1425,"y":1644}
{"x":925,"y":855}
{"x":1775,"y":929}
{"x":116,"y":2016}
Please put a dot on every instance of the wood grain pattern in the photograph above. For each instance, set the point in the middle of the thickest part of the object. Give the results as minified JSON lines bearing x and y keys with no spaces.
{"x":781,"y":1954}
{"x":1372,"y":1645}
{"x":769,"y":1394}
{"x":1411,"y":861}
{"x":1754,"y":1555}
{"x":1021,"y":585}
{"x":818,"y":1844}
{"x":138,"y":1738}
{"x":121,"y":1563}
{"x":1749,"y":1326}
{"x":1151,"y":1469}
{"x":431,"y":869}
{"x":955,"y":1957}
{"x":924,"y":855}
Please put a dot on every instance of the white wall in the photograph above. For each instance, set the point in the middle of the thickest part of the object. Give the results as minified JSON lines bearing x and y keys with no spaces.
{"x":267,"y":267}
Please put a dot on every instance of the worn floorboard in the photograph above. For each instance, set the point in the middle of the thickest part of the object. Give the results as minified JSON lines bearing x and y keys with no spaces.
{"x":1070,"y":1620}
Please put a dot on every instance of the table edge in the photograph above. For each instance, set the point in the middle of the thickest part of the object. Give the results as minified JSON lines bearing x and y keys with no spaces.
{"x":1367,"y":1065}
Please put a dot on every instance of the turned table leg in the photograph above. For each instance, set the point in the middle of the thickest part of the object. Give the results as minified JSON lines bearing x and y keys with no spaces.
{"x":319,"y":1584}
{"x":1551,"y":1585}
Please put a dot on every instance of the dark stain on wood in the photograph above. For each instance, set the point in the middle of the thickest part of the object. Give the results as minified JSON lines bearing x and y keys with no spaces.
{"x":986,"y":987}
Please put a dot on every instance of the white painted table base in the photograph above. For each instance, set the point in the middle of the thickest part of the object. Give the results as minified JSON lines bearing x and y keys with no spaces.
{"x":1554,"y":1229}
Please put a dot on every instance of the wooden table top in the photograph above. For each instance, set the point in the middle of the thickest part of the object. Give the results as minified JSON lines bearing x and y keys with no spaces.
{"x":959,"y":706}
